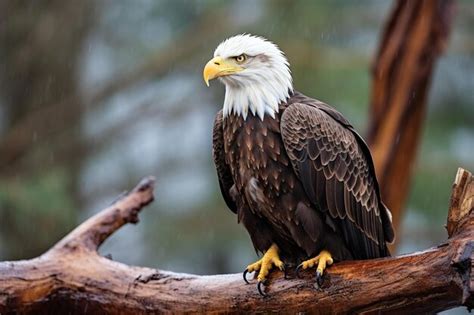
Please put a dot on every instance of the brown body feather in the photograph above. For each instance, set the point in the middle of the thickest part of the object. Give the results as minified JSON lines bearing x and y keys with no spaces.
{"x":303,"y":180}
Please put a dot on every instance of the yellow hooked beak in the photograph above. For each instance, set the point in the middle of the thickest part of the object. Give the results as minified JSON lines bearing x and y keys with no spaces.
{"x":218,"y":67}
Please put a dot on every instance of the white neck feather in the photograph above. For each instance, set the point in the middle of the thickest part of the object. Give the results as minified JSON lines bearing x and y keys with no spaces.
{"x":257,"y":99}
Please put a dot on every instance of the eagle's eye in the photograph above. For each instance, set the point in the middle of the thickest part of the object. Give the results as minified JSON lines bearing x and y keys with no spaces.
{"x":240,"y":58}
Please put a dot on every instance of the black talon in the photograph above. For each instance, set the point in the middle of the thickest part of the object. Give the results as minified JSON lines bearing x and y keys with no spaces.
{"x":259,"y":288}
{"x":297,"y":271}
{"x":319,"y":280}
{"x":246,"y":271}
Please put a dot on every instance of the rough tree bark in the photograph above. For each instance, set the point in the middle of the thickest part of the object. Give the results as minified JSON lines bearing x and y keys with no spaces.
{"x":73,"y":278}
{"x":415,"y":35}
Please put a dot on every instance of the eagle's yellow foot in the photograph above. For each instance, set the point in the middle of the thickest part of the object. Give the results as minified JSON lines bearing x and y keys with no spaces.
{"x":323,"y":260}
{"x":264,"y":265}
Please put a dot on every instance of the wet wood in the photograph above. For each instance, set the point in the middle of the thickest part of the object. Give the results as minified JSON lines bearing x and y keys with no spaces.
{"x":72,"y":278}
{"x":414,"y":37}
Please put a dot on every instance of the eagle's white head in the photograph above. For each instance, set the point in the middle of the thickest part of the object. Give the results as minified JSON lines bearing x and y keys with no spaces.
{"x":255,"y":72}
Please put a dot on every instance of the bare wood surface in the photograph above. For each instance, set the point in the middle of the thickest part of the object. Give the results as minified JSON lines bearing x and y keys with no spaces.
{"x":73,"y":278}
{"x":414,"y":37}
{"x":462,"y":200}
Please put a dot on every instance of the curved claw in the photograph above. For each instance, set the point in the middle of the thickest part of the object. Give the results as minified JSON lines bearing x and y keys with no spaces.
{"x":297,"y":270}
{"x":319,"y":279}
{"x":259,"y":288}
{"x":246,"y":271}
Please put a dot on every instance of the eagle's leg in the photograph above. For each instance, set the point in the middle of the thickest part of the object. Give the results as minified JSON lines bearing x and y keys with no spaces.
{"x":264,"y":265}
{"x":323,"y":260}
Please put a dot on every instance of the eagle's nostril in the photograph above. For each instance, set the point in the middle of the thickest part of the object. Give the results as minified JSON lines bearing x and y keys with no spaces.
{"x":216,"y":63}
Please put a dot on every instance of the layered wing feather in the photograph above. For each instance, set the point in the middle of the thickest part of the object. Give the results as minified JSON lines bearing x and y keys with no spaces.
{"x":223,"y":171}
{"x":336,"y":170}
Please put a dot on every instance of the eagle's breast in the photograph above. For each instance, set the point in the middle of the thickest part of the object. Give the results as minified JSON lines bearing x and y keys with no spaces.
{"x":261,"y":169}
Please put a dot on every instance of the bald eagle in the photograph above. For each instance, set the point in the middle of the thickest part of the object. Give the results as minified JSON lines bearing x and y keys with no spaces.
{"x":293,"y":169}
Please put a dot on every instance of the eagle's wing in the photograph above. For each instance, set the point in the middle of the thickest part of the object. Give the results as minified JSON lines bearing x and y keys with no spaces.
{"x":336,"y":170}
{"x":223,"y":171}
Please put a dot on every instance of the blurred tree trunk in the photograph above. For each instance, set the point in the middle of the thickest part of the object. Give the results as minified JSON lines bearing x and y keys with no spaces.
{"x":414,"y":36}
{"x":40,"y":46}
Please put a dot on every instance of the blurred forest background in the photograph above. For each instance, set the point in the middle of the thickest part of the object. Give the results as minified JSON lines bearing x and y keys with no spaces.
{"x":95,"y":95}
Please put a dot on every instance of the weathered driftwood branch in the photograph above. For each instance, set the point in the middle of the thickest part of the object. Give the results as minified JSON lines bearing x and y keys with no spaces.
{"x":73,"y":278}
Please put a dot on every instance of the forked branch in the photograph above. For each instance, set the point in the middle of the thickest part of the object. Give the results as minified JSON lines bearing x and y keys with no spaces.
{"x":73,"y":278}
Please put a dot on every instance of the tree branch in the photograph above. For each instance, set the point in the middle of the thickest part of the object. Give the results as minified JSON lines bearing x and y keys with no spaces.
{"x":73,"y":278}
{"x":92,"y":233}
